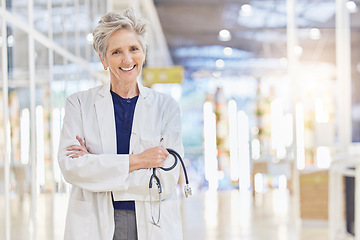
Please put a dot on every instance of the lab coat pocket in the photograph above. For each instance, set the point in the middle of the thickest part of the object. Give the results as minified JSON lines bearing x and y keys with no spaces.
{"x":150,"y":142}
{"x":78,"y":220}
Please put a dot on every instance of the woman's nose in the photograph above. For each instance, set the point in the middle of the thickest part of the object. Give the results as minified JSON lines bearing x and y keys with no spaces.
{"x":127,"y":58}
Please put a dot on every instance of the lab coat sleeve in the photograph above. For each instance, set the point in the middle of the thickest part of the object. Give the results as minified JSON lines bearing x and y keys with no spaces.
{"x":93,"y":172}
{"x":171,"y":134}
{"x":172,"y":138}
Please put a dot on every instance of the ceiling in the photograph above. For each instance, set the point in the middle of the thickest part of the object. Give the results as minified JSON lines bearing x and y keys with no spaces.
{"x":258,"y":37}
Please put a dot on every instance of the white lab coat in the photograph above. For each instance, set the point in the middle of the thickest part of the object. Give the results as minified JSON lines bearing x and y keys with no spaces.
{"x":157,"y":122}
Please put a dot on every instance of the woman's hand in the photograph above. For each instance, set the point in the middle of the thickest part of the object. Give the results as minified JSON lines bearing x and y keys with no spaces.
{"x":76,"y":150}
{"x":150,"y":158}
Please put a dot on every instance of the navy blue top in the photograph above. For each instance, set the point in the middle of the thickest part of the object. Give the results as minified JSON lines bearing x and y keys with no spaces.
{"x":124,"y":114}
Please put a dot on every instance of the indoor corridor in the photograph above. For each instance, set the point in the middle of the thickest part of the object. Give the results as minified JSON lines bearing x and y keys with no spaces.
{"x":221,"y":215}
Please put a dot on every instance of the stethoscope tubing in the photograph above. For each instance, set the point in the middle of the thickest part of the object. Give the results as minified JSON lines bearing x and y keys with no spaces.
{"x":177,"y":158}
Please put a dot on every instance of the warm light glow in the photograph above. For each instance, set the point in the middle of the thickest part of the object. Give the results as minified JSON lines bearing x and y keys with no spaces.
{"x":276,"y":116}
{"x":176,"y":91}
{"x":278,"y":132}
{"x":282,"y":182}
{"x":25,"y":136}
{"x":56,"y":129}
{"x":280,"y":202}
{"x":233,"y":140}
{"x":40,"y":145}
{"x":241,"y":202}
{"x":280,"y":154}
{"x":288,"y":127}
{"x":211,"y":210}
{"x":210,"y":150}
{"x":315,"y":34}
{"x":283,"y":62}
{"x":300,"y":137}
{"x":255,"y":149}
{"x":323,"y":157}
{"x":298,"y":51}
{"x":259,"y":183}
{"x":244,"y":151}
{"x":321,"y":114}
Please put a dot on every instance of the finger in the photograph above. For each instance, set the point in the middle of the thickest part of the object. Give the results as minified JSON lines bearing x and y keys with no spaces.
{"x":80,"y":141}
{"x":76,"y":154}
{"x":164,"y":151}
{"x":72,"y":155}
{"x":75,"y":147}
{"x":162,"y":155}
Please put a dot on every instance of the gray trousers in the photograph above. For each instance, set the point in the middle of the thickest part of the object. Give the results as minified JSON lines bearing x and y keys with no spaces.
{"x":125,"y":225}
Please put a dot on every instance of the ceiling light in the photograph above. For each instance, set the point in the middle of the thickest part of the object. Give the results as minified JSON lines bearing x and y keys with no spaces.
{"x":351,"y":6}
{"x":246,"y":10}
{"x":298,"y":50}
{"x":217,"y":74}
{"x":224,"y":35}
{"x":220,"y":63}
{"x":283,"y":61}
{"x":10,"y":41}
{"x":228,"y":51}
{"x":315,"y":34}
{"x":90,"y":38}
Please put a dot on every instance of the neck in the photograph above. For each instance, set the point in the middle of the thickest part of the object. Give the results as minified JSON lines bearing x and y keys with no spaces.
{"x":125,"y":90}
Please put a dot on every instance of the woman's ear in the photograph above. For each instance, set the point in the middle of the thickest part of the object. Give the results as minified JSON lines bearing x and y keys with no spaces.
{"x":144,"y":57}
{"x":103,"y":61}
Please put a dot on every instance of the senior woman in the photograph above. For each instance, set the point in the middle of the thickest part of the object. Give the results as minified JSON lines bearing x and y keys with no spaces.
{"x":112,"y":137}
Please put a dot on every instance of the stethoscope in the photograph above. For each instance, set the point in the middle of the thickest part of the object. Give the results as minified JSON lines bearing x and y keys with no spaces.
{"x":187,"y":188}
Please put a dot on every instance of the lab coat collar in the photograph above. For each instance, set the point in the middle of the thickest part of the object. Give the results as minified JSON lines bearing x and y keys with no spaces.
{"x":144,"y":91}
{"x":105,"y":116}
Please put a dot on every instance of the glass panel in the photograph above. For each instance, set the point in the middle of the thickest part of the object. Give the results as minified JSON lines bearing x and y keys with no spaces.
{"x":2,"y":144}
{"x":19,"y":9}
{"x":53,"y":84}
{"x":355,"y":72}
{"x":19,"y":131}
{"x":41,"y":16}
{"x":315,"y":84}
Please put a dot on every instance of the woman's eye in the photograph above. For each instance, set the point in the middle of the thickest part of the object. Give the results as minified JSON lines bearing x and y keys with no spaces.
{"x":134,"y":49}
{"x":115,"y":52}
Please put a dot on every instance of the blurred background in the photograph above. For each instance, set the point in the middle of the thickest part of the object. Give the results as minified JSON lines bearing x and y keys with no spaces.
{"x":269,"y":94}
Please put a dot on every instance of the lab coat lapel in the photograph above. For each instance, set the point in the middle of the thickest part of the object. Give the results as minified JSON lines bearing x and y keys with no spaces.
{"x":106,"y":120}
{"x":140,"y":116}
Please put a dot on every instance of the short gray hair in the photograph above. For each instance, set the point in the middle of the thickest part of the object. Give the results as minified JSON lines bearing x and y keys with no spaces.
{"x":112,"y":22}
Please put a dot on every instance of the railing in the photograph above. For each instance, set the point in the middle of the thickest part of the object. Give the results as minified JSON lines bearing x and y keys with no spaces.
{"x":345,"y":165}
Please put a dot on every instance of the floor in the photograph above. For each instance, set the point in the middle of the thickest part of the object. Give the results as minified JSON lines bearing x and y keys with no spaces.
{"x":233,"y":215}
{"x":225,"y":215}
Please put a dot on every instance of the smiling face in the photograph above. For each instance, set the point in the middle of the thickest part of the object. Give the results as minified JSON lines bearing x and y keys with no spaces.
{"x":124,"y":56}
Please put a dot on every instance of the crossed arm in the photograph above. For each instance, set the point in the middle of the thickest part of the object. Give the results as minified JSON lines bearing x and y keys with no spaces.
{"x":150,"y":158}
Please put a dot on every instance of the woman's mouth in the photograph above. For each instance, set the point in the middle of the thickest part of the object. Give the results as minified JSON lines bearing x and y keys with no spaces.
{"x":128,"y":69}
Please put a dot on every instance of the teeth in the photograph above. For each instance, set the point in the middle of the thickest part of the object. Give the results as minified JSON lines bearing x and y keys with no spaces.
{"x":127,"y":69}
